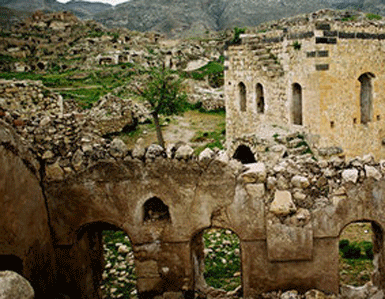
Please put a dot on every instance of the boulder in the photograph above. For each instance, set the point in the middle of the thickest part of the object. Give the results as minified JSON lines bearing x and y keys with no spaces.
{"x":282,"y":204}
{"x":350,"y":175}
{"x":15,"y":286}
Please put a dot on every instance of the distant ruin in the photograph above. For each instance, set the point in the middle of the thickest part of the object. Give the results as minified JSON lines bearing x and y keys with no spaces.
{"x":321,"y":74}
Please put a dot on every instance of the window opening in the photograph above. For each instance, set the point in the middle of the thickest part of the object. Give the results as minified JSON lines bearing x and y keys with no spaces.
{"x":260,"y":99}
{"x":155,"y":210}
{"x":244,"y":155}
{"x":366,"y":97}
{"x":242,"y":96}
{"x":297,"y":104}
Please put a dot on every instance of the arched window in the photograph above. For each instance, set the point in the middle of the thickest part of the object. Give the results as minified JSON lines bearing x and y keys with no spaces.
{"x":155,"y":210}
{"x":296,"y":107}
{"x":260,"y":99}
{"x":242,"y":96}
{"x":366,"y":97}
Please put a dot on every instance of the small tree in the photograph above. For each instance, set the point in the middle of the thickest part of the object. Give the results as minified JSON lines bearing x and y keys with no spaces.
{"x":162,"y":90}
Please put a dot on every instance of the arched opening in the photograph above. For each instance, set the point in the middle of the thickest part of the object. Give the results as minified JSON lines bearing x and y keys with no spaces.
{"x":260,"y":99}
{"x":11,"y":263}
{"x":296,"y":107}
{"x":217,"y":263}
{"x":41,"y":66}
{"x":112,"y":259}
{"x":244,"y":155}
{"x":366,"y":97}
{"x":154,"y":210}
{"x":361,"y":250}
{"x":242,"y":96}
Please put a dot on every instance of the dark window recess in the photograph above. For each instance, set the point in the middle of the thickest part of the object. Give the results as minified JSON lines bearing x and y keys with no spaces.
{"x":330,"y":33}
{"x":346,"y":34}
{"x":226,"y":57}
{"x":322,"y":67}
{"x":323,"y":26}
{"x":378,"y":117}
{"x":332,"y":124}
{"x":363,"y":35}
{"x":326,"y":40}
{"x":321,"y":40}
{"x":273,"y":39}
{"x":244,"y":155}
{"x":296,"y":107}
{"x":310,"y":54}
{"x":323,"y":54}
{"x":155,"y":210}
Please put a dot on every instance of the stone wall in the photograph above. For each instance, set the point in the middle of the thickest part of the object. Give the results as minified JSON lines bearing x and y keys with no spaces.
{"x":288,"y":216}
{"x":26,"y":244}
{"x":324,"y":58}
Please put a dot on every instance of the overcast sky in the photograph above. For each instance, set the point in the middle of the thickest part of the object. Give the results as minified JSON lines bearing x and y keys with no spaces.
{"x":112,"y":2}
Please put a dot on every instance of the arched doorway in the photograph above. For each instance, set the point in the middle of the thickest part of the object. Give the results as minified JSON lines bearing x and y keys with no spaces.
{"x":111,"y":260}
{"x":296,"y":106}
{"x":366,"y":97}
{"x":361,"y":249}
{"x":244,"y":155}
{"x":217,"y":263}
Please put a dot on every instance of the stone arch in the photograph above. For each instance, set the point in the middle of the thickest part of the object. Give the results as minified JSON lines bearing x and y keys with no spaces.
{"x":260,"y":98}
{"x":366,"y":97}
{"x":378,"y":275}
{"x":155,"y":210}
{"x":82,"y":264}
{"x":242,"y":96}
{"x":244,"y":154}
{"x":11,"y":263}
{"x":199,"y":253}
{"x":296,"y":105}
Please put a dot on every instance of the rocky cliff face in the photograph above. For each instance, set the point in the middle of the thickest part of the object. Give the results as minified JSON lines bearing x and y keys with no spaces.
{"x":187,"y":18}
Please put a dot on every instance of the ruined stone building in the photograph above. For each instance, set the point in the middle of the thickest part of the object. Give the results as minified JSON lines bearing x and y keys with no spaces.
{"x":320,"y":74}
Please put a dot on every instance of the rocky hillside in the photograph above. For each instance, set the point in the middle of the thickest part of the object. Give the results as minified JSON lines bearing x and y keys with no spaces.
{"x":189,"y":18}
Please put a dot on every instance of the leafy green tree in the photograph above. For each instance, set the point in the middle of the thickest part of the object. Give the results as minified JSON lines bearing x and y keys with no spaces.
{"x":162,"y":90}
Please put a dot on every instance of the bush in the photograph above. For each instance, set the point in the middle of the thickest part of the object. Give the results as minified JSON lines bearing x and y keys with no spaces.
{"x":368,"y":248}
{"x":350,"y":251}
{"x":372,"y":16}
{"x":237,"y":32}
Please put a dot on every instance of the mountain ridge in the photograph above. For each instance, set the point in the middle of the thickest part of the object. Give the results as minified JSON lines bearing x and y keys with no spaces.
{"x":188,"y":18}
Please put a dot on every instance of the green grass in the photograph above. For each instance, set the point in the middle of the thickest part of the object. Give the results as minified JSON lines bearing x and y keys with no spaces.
{"x":120,"y":270}
{"x":223,"y":262}
{"x":212,"y":139}
{"x":372,"y":16}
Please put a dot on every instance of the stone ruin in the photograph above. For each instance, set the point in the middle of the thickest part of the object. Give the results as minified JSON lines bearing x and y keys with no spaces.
{"x":321,"y":74}
{"x":61,"y":185}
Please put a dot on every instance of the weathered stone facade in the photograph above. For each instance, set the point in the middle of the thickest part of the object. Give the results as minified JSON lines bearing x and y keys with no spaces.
{"x":321,"y":74}
{"x":288,"y":217}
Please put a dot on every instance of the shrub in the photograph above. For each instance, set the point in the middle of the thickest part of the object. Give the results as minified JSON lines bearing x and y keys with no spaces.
{"x":350,"y":251}
{"x":368,"y":248}
{"x":237,"y":32}
{"x":372,"y":16}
